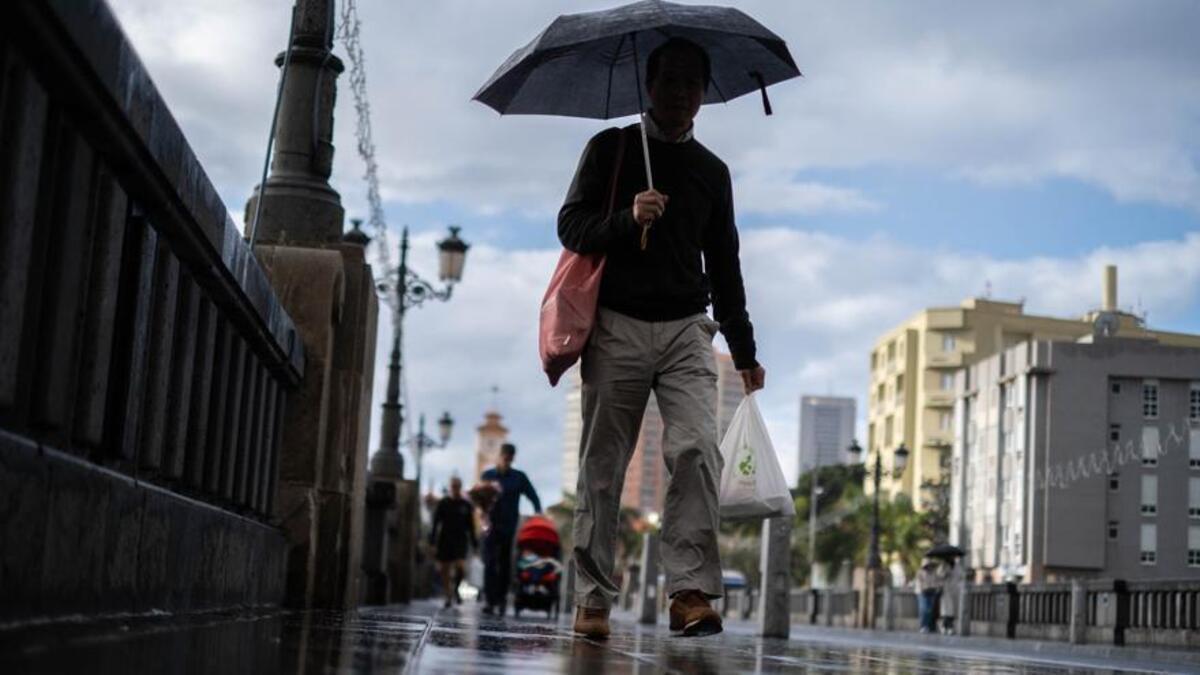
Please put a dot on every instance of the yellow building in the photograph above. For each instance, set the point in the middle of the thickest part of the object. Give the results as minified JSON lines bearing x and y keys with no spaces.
{"x":912,"y":374}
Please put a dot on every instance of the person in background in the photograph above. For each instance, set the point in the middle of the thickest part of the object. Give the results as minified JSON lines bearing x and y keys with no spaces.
{"x":452,"y":532}
{"x":928,"y":587}
{"x":503,"y":516}
{"x":952,"y":578}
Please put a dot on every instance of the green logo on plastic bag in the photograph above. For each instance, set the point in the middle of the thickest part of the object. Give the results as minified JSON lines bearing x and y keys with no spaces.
{"x":746,"y":465}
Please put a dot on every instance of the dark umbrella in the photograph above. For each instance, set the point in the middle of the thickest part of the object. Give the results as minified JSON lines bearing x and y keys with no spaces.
{"x":945,"y":551}
{"x":591,"y":64}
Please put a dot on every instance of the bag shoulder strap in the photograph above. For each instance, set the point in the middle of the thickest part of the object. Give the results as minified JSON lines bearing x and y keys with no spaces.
{"x":616,"y":172}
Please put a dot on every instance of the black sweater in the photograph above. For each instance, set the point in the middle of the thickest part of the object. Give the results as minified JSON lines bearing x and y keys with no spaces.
{"x":668,"y":280}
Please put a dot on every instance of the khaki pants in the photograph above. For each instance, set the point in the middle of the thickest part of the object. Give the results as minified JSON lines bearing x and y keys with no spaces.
{"x":625,"y":359}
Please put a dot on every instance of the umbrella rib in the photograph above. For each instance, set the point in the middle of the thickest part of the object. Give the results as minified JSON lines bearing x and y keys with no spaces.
{"x":612,"y":65}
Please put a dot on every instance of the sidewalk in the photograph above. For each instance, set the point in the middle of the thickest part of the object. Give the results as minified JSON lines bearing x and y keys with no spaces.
{"x":423,"y":638}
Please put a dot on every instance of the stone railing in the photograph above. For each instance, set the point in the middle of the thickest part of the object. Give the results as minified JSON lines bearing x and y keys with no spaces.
{"x":145,"y":362}
{"x":1157,"y":613}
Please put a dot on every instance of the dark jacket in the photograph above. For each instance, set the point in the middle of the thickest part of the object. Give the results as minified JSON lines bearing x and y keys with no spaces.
{"x":504,"y":515}
{"x":692,"y":255}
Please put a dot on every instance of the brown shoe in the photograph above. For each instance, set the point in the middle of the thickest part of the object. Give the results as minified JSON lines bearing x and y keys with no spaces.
{"x":691,"y":613}
{"x":591,"y":622}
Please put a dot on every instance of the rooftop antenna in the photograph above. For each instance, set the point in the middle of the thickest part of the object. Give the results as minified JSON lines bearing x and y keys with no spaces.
{"x":987,"y":289}
{"x":495,"y":403}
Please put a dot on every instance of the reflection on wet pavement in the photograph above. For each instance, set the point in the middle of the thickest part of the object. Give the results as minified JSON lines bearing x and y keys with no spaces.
{"x":421,"y":639}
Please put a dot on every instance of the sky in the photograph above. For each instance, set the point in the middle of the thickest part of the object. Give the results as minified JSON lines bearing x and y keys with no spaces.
{"x":932,"y":152}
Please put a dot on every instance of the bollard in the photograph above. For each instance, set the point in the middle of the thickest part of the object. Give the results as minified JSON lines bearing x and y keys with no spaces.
{"x":647,"y":599}
{"x":889,"y":603}
{"x":774,"y":603}
{"x":964,"y":608}
{"x":567,"y":600}
{"x":1078,"y":612}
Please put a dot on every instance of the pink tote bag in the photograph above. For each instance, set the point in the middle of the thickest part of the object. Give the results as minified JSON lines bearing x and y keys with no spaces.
{"x":569,"y":306}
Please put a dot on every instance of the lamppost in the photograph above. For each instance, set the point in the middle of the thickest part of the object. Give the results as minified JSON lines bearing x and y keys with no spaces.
{"x":406,"y":290}
{"x":874,"y":562}
{"x":421,"y":442}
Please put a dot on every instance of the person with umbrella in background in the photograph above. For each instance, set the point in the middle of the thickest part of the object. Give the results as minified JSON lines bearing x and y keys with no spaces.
{"x":669,"y":247}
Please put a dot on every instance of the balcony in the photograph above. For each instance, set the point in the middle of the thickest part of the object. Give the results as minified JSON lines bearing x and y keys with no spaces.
{"x":939,"y":438}
{"x":944,"y":359}
{"x":939,"y":399}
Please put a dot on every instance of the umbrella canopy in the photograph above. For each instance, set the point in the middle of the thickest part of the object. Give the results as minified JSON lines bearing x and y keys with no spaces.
{"x":945,"y":551}
{"x":592,"y":64}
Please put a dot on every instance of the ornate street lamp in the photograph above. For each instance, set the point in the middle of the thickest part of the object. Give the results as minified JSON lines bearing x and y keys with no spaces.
{"x":404,"y":290}
{"x":874,"y":561}
{"x":422,"y":442}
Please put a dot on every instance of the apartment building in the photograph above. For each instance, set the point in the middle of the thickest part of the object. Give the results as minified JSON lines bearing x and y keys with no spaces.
{"x":1078,"y":459}
{"x":913,"y":366}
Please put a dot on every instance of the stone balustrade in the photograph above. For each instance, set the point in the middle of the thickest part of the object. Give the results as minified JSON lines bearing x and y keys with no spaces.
{"x":1152,"y":613}
{"x":145,"y":362}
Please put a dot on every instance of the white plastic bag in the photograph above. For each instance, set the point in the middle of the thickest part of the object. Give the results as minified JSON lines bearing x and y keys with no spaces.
{"x":752,"y":484}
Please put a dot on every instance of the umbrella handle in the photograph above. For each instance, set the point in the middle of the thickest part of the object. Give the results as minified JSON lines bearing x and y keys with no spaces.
{"x":646,"y":150}
{"x":649,"y":176}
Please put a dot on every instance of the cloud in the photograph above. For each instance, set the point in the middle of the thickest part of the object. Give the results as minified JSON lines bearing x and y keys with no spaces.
{"x":1106,"y":93}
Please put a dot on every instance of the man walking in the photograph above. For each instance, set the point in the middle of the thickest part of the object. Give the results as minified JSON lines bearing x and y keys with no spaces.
{"x":453,"y":530}
{"x":666,"y":253}
{"x":503,"y":516}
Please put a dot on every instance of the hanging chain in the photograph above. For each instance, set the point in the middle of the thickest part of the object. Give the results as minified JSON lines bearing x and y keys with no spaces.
{"x":348,"y":32}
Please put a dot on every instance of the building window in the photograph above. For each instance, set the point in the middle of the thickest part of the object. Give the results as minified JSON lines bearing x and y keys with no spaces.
{"x":891,"y":352}
{"x":1194,"y":402}
{"x":945,"y":421}
{"x":1150,"y":399}
{"x":1114,"y":433}
{"x":874,"y":361}
{"x":1115,"y":387}
{"x":879,"y":393}
{"x":1149,"y":495}
{"x":1194,"y":497}
{"x":1194,"y":448}
{"x":947,"y":342}
{"x":1114,"y":482}
{"x":1149,"y":543}
{"x":899,"y":389}
{"x":1193,"y":559}
{"x":947,"y":382}
{"x":887,"y":431}
{"x":1150,"y":446}
{"x":1112,"y":530}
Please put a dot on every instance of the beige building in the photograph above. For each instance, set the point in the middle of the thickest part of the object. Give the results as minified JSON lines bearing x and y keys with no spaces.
{"x":911,"y":395}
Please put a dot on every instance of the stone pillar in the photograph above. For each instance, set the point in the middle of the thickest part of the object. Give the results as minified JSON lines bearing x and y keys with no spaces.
{"x":889,"y":605}
{"x":774,"y":603}
{"x":964,"y":608}
{"x":327,"y":287}
{"x":381,"y":501}
{"x":403,"y":534}
{"x":1078,"y":612}
{"x":299,"y":205}
{"x":567,"y":599}
{"x":647,"y":600}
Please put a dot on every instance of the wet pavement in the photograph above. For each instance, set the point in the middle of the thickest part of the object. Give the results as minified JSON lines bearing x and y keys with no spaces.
{"x":423,"y":638}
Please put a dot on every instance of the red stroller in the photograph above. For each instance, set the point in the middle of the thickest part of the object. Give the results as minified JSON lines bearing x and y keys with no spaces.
{"x":538,"y":567}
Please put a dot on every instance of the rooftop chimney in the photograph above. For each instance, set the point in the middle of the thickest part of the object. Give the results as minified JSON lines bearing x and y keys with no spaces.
{"x":1110,"y":288}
